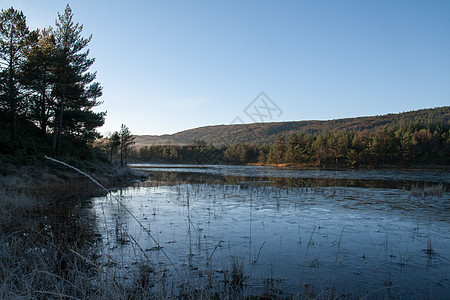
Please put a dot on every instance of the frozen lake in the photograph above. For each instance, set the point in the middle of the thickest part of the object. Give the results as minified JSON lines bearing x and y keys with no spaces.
{"x":284,"y":232}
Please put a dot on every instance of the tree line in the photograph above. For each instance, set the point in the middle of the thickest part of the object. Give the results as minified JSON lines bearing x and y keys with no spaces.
{"x":404,"y":143}
{"x":47,"y":93}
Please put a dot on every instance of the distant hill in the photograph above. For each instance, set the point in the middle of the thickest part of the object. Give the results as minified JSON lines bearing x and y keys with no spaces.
{"x":265,"y":133}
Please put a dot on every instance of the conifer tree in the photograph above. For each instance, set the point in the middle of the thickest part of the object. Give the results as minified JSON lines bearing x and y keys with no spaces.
{"x":13,"y":41}
{"x":39,"y":77}
{"x":75,"y":91}
{"x":126,"y":140}
{"x":113,"y":144}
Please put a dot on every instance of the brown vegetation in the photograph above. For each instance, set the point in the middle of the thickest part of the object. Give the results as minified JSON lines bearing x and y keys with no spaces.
{"x":266,"y":133}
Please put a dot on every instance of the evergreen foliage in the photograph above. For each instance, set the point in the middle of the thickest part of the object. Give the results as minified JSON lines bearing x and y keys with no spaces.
{"x":402,"y":144}
{"x":126,"y":139}
{"x":266,"y":133}
{"x":46,"y":90}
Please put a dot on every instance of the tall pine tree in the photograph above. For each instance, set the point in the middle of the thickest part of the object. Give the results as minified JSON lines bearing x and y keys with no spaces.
{"x":13,"y":41}
{"x":76,"y":92}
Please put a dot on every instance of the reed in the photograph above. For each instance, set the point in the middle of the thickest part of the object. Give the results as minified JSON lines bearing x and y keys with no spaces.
{"x":428,"y":190}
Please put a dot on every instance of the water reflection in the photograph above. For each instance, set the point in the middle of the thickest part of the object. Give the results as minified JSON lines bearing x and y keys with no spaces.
{"x":288,"y":235}
{"x":286,"y":172}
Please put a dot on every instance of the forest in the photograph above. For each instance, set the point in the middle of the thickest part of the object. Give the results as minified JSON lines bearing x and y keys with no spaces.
{"x":399,"y":144}
{"x":47,"y":92}
{"x":48,"y":95}
{"x":267,"y":132}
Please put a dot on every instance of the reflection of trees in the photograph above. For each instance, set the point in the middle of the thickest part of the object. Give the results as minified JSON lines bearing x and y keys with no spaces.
{"x":174,"y":178}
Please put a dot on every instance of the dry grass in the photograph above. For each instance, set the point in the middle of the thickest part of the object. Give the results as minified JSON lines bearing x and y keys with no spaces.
{"x":36,"y":260}
{"x":428,"y":190}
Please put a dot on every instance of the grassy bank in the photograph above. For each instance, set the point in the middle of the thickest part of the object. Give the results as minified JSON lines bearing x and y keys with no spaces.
{"x":48,"y":239}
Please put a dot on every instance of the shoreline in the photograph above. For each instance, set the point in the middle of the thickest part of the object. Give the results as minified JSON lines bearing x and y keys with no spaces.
{"x":305,"y":166}
{"x":381,"y":167}
{"x":53,"y":181}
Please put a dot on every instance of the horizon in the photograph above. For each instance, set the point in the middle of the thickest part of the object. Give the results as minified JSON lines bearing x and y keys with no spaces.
{"x":167,"y":67}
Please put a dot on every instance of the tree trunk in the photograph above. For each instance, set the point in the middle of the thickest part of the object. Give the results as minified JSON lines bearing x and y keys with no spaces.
{"x":63,"y":99}
{"x":12,"y":100}
{"x":121,"y":155}
{"x":58,"y":141}
{"x":43,"y":114}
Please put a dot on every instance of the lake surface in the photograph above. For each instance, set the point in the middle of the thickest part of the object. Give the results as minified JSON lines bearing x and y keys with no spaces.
{"x":283,"y":232}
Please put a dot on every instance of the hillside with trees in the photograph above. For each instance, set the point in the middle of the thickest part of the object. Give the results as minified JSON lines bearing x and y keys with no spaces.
{"x":413,"y":138}
{"x":266,"y":133}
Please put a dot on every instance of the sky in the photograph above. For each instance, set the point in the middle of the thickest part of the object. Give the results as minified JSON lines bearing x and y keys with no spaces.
{"x":168,"y":66}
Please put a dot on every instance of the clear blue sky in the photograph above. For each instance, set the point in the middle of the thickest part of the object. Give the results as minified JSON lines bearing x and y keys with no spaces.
{"x":166,"y":66}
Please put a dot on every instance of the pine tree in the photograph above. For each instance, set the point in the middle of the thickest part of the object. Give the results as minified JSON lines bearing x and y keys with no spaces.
{"x":39,"y":77}
{"x":76,"y":92}
{"x":13,"y":41}
{"x":113,"y":144}
{"x":126,"y":140}
{"x":277,"y":150}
